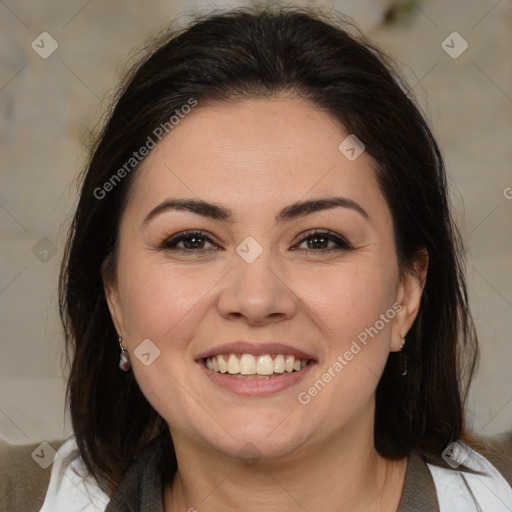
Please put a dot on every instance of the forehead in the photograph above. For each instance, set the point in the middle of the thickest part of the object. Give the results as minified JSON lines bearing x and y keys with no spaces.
{"x":254,"y":155}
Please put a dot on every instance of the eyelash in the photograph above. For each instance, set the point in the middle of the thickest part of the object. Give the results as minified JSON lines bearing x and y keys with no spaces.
{"x":171,"y":242}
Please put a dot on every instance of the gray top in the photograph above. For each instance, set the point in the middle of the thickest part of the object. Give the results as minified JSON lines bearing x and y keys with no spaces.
{"x":23,"y":483}
{"x":141,"y":488}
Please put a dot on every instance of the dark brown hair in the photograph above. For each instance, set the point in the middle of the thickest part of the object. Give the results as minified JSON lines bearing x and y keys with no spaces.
{"x":255,"y":54}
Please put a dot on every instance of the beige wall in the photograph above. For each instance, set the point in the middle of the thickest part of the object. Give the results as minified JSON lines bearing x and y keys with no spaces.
{"x":47,"y":104}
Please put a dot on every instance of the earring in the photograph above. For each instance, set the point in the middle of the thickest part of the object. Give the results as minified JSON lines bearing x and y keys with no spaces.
{"x":402,"y":359}
{"x":124,"y":358}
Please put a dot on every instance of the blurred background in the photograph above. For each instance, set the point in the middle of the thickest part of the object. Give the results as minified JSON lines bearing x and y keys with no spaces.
{"x":61,"y":60}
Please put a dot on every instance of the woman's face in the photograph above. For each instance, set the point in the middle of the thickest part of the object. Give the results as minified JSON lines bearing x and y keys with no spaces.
{"x":269,"y":272}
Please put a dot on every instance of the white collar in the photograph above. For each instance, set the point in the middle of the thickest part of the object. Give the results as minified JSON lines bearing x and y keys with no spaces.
{"x":467,"y":492}
{"x":72,"y":489}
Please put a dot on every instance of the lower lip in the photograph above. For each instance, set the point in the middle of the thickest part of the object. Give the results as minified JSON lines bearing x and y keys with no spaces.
{"x":256,"y":387}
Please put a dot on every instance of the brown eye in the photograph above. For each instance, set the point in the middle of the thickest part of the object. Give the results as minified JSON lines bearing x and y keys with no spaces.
{"x":318,"y":242}
{"x":324,"y":241}
{"x":191,"y":241}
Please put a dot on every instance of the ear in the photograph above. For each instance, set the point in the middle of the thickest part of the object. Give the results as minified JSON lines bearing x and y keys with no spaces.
{"x":408,"y":296}
{"x":111,"y":290}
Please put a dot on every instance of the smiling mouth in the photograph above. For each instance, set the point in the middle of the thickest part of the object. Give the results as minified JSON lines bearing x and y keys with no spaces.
{"x":247,"y":366}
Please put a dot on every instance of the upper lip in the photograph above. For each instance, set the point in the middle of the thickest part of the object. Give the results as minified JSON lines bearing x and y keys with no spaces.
{"x":256,"y":349}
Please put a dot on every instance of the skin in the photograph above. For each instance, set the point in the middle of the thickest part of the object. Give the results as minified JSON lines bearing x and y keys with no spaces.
{"x":256,"y":157}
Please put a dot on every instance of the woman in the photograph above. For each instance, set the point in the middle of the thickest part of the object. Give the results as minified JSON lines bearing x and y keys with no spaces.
{"x":263,"y":292}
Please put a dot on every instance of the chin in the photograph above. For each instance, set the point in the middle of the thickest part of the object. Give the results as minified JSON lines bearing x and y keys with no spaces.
{"x":256,"y":439}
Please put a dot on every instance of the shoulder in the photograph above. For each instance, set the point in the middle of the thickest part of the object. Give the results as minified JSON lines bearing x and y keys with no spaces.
{"x":47,"y":477}
{"x":25,"y":471}
{"x":498,"y":451}
{"x":71,"y":486}
{"x":478,"y":477}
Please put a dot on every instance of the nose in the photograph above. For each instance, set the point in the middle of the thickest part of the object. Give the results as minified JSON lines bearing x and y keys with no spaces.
{"x":257,"y":292}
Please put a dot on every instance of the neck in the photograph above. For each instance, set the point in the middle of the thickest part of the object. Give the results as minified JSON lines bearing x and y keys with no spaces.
{"x":343,"y":473}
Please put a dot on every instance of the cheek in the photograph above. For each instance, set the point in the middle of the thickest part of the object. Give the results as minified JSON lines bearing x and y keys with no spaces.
{"x":160,"y":304}
{"x":353,"y":309}
{"x":349,"y":300}
{"x":164,"y":306}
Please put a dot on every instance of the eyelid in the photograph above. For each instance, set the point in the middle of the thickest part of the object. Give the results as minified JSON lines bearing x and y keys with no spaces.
{"x":173,"y":240}
{"x":343,"y":243}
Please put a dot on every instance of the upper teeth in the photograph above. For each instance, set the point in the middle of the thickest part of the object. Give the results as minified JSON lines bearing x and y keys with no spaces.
{"x":247,"y":364}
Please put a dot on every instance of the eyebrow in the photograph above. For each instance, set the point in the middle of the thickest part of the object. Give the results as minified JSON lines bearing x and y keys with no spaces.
{"x":291,"y":212}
